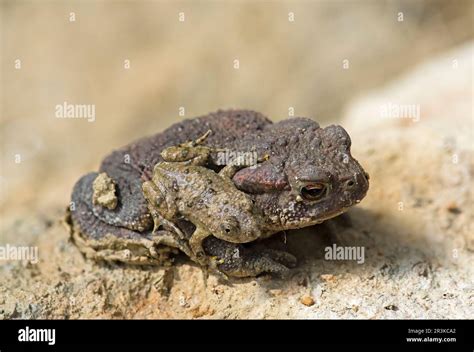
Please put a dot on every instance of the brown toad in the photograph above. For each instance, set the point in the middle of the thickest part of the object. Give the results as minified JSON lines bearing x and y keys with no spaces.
{"x":182,"y":187}
{"x":306,"y":175}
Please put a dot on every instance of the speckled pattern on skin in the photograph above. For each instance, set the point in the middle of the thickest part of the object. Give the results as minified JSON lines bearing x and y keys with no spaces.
{"x":306,"y":176}
{"x":183,"y":187}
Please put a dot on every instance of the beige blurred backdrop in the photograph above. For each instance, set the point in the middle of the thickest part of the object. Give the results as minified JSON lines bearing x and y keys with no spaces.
{"x":283,"y":64}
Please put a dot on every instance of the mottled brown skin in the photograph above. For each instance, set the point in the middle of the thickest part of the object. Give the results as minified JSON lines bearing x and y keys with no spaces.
{"x":207,"y":199}
{"x":183,"y":187}
{"x":133,"y":164}
{"x":125,"y":234}
{"x":306,"y":176}
{"x":303,"y":157}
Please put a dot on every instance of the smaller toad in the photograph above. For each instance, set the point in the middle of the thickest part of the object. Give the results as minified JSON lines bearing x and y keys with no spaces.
{"x":183,"y":188}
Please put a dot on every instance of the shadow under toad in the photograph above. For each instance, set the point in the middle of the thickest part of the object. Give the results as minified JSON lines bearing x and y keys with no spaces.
{"x":360,"y":242}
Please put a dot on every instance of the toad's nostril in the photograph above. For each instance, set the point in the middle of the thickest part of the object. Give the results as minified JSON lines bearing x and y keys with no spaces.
{"x":350,"y":183}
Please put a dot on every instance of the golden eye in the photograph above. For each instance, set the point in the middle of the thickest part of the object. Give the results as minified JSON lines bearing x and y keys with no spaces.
{"x":313,"y":191}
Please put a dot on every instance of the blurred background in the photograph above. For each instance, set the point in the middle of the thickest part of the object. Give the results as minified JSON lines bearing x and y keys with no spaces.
{"x":141,"y":63}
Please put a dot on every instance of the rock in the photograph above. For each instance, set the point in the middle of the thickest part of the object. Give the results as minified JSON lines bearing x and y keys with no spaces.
{"x":104,"y":191}
{"x":307,"y":301}
{"x":391,"y":307}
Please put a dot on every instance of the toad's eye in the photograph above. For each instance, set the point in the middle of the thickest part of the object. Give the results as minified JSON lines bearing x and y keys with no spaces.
{"x":313,"y":191}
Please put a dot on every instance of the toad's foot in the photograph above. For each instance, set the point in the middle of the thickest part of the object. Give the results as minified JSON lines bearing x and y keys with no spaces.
{"x":190,"y":153}
{"x":238,"y":261}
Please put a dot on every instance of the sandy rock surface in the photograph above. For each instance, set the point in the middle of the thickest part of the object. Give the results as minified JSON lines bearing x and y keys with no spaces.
{"x":416,"y":226}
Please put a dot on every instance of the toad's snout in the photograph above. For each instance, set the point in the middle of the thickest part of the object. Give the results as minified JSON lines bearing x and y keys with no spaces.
{"x":355,"y":187}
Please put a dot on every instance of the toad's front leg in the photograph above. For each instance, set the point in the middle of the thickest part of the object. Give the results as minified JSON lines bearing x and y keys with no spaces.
{"x":195,"y":242}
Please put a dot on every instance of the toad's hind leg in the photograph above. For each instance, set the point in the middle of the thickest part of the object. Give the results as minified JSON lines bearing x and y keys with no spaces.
{"x":168,"y":238}
{"x":160,"y":222}
{"x":167,"y":233}
{"x":200,"y":140}
{"x":189,"y":153}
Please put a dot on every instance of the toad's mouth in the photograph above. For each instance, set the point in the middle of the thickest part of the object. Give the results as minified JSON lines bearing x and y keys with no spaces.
{"x":332,"y":214}
{"x":290,"y":225}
